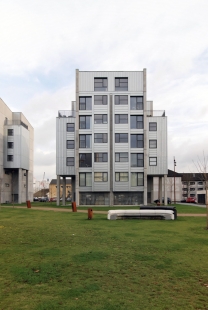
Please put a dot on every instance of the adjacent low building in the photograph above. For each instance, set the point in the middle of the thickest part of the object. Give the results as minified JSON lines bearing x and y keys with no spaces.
{"x":112,"y":143}
{"x":16,"y":156}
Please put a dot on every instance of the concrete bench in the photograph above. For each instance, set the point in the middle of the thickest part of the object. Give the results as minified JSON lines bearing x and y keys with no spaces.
{"x":141,"y":214}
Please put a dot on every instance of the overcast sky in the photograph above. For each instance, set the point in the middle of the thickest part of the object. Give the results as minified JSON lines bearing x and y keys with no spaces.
{"x":42,"y":42}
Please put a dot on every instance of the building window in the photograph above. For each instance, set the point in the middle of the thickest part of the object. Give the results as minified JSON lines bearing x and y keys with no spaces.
{"x":192,"y":195}
{"x":85,"y":179}
{"x":9,"y":157}
{"x":200,"y":189}
{"x":70,"y":127}
{"x":137,"y":160}
{"x":121,"y":100}
{"x":152,"y":144}
{"x":121,"y":83}
{"x":10,"y":132}
{"x":192,"y":183}
{"x":85,"y":103}
{"x":121,"y":138}
{"x":137,"y":122}
{"x":100,"y":100}
{"x":121,"y":157}
{"x":85,"y":141}
{"x":85,"y":122}
{"x":185,"y":183}
{"x":121,"y":176}
{"x":100,"y":137}
{"x":100,"y":119}
{"x":192,"y":189}
{"x":100,"y":157}
{"x":70,"y":161}
{"x":121,"y":118}
{"x":100,"y":177}
{"x":185,"y":189}
{"x":137,"y":141}
{"x":137,"y":179}
{"x":10,"y":145}
{"x":152,"y":126}
{"x":7,"y":184}
{"x":200,"y":183}
{"x":70,"y":144}
{"x":153,"y":161}
{"x":136,"y":103}
{"x":100,"y":84}
{"x":85,"y":160}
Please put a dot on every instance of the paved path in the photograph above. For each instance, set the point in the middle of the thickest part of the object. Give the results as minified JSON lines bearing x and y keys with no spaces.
{"x":86,"y":211}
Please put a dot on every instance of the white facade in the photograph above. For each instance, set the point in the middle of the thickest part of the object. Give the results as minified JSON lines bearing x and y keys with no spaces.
{"x":120,"y":142}
{"x":16,"y":156}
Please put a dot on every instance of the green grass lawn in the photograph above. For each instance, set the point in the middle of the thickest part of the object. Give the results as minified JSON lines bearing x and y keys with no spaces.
{"x":55,"y":260}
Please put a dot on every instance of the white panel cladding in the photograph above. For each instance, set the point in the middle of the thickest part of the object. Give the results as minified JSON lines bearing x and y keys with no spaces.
{"x":61,"y":151}
{"x":85,"y":169}
{"x":161,"y":151}
{"x":70,"y":136}
{"x":121,"y":109}
{"x":101,"y":147}
{"x":121,"y":147}
{"x":121,"y":128}
{"x":121,"y":187}
{"x":21,"y":147}
{"x":100,"y":128}
{"x":101,"y":186}
{"x":137,"y":169}
{"x":70,"y":153}
{"x":137,"y":150}
{"x":100,"y":109}
{"x":85,"y":189}
{"x":86,"y":80}
{"x":121,"y":166}
{"x":101,"y":167}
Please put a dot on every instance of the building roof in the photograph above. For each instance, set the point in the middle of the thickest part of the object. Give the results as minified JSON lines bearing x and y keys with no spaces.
{"x":172,"y":173}
{"x":194,"y":176}
{"x":54,"y":181}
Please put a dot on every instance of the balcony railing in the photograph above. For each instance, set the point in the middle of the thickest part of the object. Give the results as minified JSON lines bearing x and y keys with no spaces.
{"x":160,"y":113}
{"x":66,"y":113}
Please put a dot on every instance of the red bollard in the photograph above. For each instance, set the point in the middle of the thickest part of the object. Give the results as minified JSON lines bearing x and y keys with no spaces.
{"x":28,"y":204}
{"x":74,"y":206}
{"x":90,"y":214}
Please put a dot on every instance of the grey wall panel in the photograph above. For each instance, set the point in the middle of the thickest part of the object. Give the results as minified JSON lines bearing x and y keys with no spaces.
{"x":101,"y":186}
{"x":85,"y":189}
{"x":101,"y":167}
{"x":121,"y":187}
{"x":118,"y":167}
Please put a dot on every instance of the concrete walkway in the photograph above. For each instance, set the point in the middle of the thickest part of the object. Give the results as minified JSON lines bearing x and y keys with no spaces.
{"x":86,"y":211}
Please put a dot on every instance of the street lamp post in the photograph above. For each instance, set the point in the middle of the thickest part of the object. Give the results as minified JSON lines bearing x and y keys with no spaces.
{"x":174,"y":163}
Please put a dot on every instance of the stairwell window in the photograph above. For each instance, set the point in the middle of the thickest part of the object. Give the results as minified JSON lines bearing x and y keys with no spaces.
{"x":100,"y":84}
{"x":9,"y":157}
{"x":121,"y":83}
{"x":10,"y":132}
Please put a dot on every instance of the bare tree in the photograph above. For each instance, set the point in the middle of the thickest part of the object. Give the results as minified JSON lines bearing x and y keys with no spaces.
{"x":202,"y":168}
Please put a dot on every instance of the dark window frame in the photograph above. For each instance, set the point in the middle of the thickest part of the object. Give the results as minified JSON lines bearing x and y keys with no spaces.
{"x":121,"y":99}
{"x":70,"y":161}
{"x":70,"y":127}
{"x":101,"y":119}
{"x":138,"y":104}
{"x":100,"y":100}
{"x":139,"y":123}
{"x":139,"y":161}
{"x":85,"y":160}
{"x":121,"y":118}
{"x":121,"y":156}
{"x":100,"y":157}
{"x":119,"y":176}
{"x":137,"y":179}
{"x":10,"y":145}
{"x":151,"y":161}
{"x":153,"y":143}
{"x":104,"y":176}
{"x":121,"y":84}
{"x":103,"y":138}
{"x":120,"y":139}
{"x":10,"y":158}
{"x":100,"y":84}
{"x":83,"y":143}
{"x":83,"y":124}
{"x":70,"y":144}
{"x":152,"y":126}
{"x":138,"y":142}
{"x":10,"y":132}
{"x":86,"y":105}
{"x":85,"y":178}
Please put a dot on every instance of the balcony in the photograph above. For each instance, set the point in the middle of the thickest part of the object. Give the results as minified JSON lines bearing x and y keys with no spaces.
{"x":66,"y":113}
{"x":160,"y":113}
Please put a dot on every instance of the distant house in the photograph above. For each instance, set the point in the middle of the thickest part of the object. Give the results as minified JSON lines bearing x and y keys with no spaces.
{"x":53,"y":188}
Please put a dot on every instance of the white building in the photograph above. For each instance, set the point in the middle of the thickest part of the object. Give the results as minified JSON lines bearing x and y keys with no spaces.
{"x":112,"y":143}
{"x":16,"y":156}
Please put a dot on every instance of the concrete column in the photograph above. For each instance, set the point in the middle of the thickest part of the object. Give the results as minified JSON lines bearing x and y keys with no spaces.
{"x":146,"y":163}
{"x":20,"y":186}
{"x":58,"y":190}
{"x":160,"y":189}
{"x":64,"y":192}
{"x":77,"y":140}
{"x":27,"y":186}
{"x":111,"y":119}
{"x":165,"y":190}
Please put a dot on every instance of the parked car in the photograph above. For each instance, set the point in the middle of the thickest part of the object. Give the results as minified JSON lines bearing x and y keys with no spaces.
{"x":191,"y":200}
{"x":53,"y":199}
{"x":158,"y":200}
{"x":35,"y":199}
{"x":43,"y":199}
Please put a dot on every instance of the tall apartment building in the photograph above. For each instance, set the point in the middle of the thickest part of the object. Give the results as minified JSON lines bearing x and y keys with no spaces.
{"x":16,"y":156}
{"x":112,"y":143}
